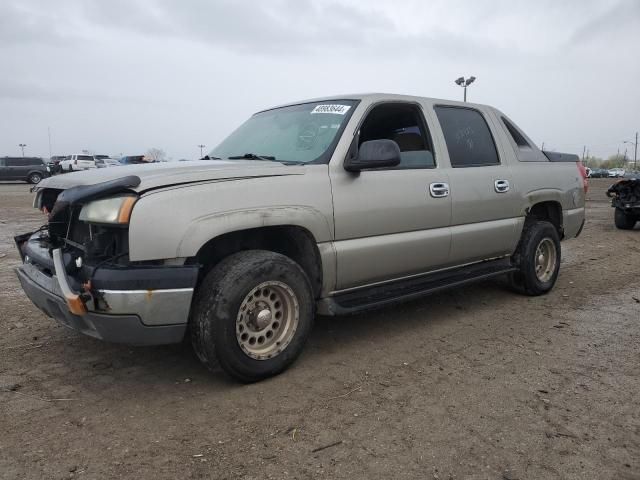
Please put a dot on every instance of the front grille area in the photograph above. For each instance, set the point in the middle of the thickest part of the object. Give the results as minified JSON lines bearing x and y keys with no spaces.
{"x":95,"y":243}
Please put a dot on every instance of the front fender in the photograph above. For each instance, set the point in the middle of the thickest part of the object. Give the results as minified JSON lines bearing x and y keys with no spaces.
{"x":176,"y":222}
{"x":205,"y":228}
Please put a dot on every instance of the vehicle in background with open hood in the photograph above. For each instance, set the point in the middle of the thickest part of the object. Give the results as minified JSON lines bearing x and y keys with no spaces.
{"x":625,"y":198}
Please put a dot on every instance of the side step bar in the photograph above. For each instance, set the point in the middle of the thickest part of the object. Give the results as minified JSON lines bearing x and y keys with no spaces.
{"x":402,"y":290}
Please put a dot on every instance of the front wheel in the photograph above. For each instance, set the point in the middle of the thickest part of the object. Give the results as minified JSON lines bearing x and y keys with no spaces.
{"x":623,"y":220}
{"x":537,"y":259}
{"x":252,"y":315}
{"x":35,"y":178}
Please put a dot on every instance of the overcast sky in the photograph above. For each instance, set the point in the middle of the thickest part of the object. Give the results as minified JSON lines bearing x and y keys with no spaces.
{"x":122,"y":76}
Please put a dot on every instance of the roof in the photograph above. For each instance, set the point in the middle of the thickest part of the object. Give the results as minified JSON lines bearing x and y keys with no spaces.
{"x":374,"y":97}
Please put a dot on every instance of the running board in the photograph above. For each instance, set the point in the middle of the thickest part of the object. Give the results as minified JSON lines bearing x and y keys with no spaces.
{"x":402,"y":290}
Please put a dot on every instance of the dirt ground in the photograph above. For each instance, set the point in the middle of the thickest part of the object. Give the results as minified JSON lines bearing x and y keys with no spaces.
{"x":473,"y":383}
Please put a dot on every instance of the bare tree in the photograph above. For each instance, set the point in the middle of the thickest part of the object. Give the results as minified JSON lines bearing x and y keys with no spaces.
{"x":156,"y":155}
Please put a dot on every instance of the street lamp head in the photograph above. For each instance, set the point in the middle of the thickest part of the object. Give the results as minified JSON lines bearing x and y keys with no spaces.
{"x":470,"y":80}
{"x":460,"y":81}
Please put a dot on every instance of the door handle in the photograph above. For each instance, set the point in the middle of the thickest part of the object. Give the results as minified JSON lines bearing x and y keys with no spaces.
{"x":502,"y":186}
{"x":439,"y":190}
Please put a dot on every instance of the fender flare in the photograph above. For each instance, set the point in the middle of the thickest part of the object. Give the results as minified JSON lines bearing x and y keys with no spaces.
{"x":203,"y":229}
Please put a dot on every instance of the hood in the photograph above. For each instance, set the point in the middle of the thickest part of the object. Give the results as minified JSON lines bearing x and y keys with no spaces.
{"x":158,"y":175}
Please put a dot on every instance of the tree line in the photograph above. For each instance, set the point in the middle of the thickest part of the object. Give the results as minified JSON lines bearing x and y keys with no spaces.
{"x":613,"y":161}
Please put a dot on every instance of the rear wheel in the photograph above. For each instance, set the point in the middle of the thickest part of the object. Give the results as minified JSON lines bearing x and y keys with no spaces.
{"x":35,"y":177}
{"x":252,"y":315}
{"x":623,"y":220}
{"x":537,"y":259}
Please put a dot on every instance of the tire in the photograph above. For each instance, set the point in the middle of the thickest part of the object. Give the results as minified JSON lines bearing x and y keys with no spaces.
{"x":230,"y":312}
{"x":536,"y":276}
{"x":624,"y":221}
{"x":34,"y":178}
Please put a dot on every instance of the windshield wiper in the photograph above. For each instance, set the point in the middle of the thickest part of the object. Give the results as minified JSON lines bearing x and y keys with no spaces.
{"x":252,"y":156}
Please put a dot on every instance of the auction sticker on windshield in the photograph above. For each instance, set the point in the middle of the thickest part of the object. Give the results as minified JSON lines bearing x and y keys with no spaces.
{"x":336,"y":109}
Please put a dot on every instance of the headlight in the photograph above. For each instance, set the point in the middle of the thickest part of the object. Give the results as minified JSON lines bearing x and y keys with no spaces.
{"x":112,"y":210}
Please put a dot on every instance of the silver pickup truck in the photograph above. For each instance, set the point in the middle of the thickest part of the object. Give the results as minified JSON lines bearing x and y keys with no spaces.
{"x":327,"y":206}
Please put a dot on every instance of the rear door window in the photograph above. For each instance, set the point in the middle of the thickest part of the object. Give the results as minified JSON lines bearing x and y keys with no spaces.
{"x":15,"y":162}
{"x":469,"y":140}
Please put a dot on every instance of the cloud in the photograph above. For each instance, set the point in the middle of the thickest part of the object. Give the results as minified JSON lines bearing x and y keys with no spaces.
{"x":137,"y":73}
{"x":617,"y":22}
{"x":11,"y":90}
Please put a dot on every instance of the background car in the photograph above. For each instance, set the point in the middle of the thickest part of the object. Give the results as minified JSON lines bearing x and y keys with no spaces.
{"x":28,"y":169}
{"x":599,"y":173}
{"x":616,"y":173}
{"x":133,"y":159}
{"x":54,"y":164}
{"x":78,"y":162}
{"x":103,"y":161}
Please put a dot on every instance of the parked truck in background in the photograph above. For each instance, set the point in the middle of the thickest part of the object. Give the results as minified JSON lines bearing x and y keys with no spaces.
{"x":334,"y":206}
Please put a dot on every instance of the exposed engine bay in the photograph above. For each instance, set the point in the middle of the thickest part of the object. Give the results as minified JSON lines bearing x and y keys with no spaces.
{"x":625,"y":194}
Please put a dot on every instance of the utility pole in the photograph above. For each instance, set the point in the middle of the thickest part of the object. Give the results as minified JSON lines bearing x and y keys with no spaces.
{"x":584,"y":149}
{"x":542,"y":148}
{"x":635,"y":151}
{"x":49,"y":134}
{"x":635,"y":154}
{"x":201,"y":147}
{"x":22,"y":145}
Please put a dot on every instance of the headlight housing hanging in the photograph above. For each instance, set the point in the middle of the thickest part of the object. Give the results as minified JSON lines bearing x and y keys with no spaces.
{"x":111,"y":211}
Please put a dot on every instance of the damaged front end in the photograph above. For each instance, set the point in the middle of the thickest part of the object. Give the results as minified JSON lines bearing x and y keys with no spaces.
{"x":77,"y":269}
{"x":625,"y":195}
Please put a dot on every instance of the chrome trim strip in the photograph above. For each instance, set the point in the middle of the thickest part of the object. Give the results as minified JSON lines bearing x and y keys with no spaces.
{"x":154,"y":307}
{"x":154,"y":290}
{"x":61,"y":275}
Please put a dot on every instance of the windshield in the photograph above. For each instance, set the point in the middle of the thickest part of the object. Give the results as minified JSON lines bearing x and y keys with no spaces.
{"x":297,"y":134}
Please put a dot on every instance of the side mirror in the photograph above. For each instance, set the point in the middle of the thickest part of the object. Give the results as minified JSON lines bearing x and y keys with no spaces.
{"x":374,"y":154}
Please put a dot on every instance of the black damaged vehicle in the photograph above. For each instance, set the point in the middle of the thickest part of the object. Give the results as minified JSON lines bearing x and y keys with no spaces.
{"x":625,"y":198}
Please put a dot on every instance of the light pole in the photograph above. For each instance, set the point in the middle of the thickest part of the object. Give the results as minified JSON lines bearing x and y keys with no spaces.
{"x":464,"y":83}
{"x":200,"y":147}
{"x":635,"y":151}
{"x":22,"y":145}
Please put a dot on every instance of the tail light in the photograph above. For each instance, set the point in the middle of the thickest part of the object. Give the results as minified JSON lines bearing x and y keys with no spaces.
{"x":583,"y":172}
